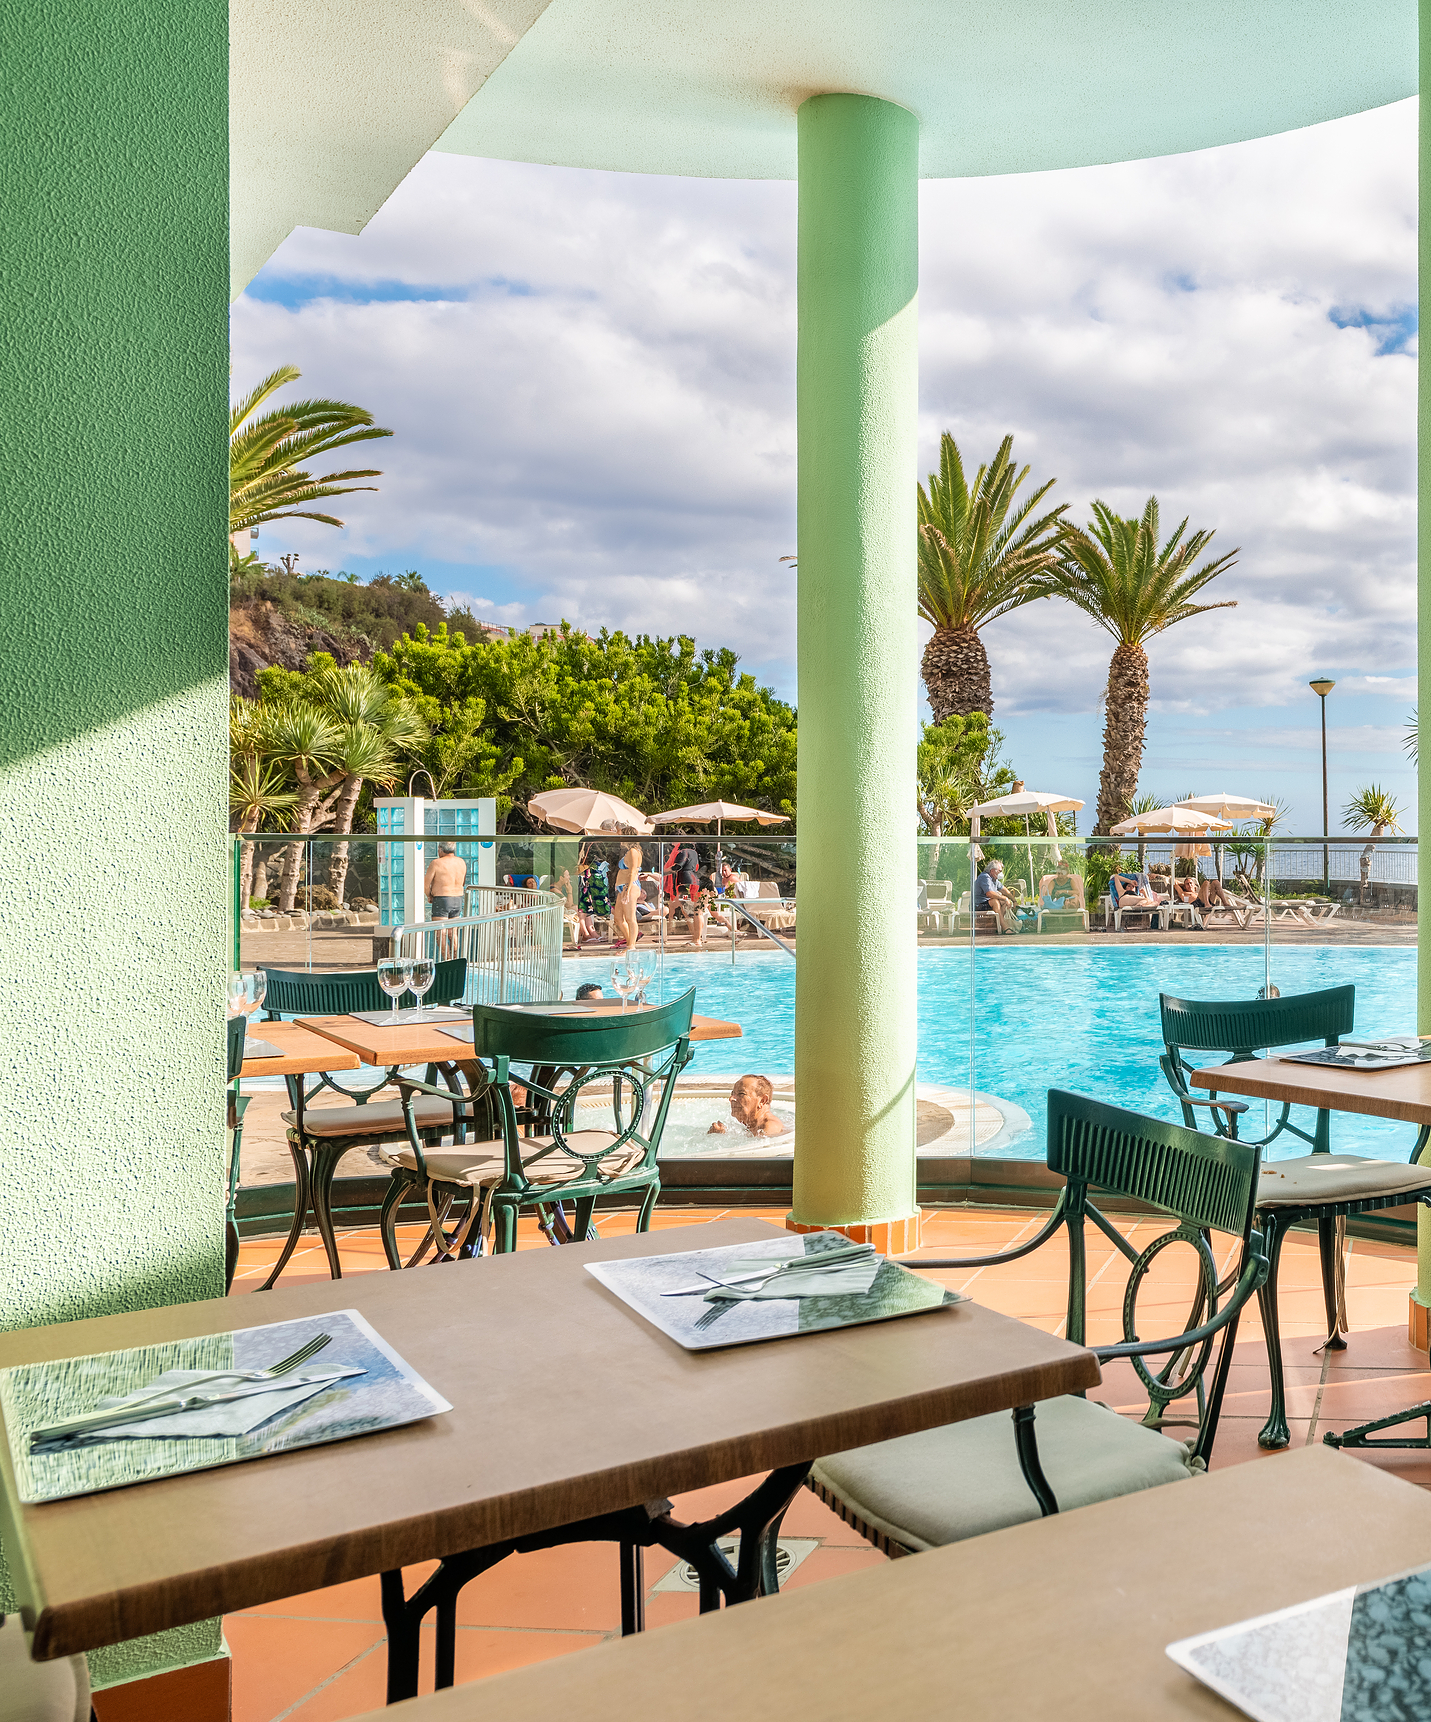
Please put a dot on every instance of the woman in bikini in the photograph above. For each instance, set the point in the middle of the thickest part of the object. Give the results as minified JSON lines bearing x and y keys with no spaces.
{"x":628,"y":889}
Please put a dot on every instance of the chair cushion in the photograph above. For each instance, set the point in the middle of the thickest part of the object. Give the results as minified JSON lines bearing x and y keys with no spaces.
{"x":1313,"y":1178}
{"x":483,"y":1162}
{"x":39,"y":1691}
{"x":377,"y":1118}
{"x":943,"y":1485}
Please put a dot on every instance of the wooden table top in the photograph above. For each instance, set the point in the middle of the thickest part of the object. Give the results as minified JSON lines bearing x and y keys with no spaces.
{"x":565,"y":1404}
{"x":424,"y":1043}
{"x":1063,"y":1617}
{"x":302,"y":1052}
{"x":1403,"y":1093}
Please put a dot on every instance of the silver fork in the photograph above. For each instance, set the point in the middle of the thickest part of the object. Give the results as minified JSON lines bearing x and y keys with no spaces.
{"x":138,"y":1409}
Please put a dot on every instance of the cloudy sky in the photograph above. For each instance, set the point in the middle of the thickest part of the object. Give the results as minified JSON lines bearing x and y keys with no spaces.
{"x":591,"y":378}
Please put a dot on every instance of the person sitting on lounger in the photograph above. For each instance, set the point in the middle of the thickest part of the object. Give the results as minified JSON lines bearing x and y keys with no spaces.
{"x":750,"y":1106}
{"x":1134,"y":891}
{"x":990,"y":896}
{"x":1061,"y":890}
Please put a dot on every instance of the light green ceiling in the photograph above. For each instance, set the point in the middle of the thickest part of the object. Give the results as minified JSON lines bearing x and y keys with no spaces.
{"x":711,"y":89}
{"x":333,"y":102}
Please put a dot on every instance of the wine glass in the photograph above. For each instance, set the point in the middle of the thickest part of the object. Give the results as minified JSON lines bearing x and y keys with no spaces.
{"x":258,"y":986}
{"x":237,"y":1003}
{"x":392,"y":978}
{"x":423,"y":972}
{"x":623,"y":979}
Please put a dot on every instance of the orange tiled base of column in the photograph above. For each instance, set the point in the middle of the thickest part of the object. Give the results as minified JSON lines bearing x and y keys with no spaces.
{"x":889,"y":1237}
{"x":1418,"y":1323}
{"x":200,"y":1693}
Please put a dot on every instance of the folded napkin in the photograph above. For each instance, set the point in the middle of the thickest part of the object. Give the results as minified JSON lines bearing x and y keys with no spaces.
{"x":260,"y":1049}
{"x":808,"y":1279}
{"x":237,"y":1417}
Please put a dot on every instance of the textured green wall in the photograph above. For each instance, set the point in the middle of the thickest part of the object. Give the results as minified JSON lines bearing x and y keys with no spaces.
{"x":857,"y":384}
{"x":113,"y":655}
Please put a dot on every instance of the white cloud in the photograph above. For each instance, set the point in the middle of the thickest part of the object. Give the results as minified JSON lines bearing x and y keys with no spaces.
{"x":592,"y":382}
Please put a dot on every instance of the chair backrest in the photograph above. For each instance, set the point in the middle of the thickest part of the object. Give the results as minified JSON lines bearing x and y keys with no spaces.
{"x":939,"y":891}
{"x":1243,"y":1027}
{"x":527,"y":1034}
{"x":299,"y":992}
{"x":572,"y":1056}
{"x":768,"y":888}
{"x":238,"y":1026}
{"x":1203,"y":1183}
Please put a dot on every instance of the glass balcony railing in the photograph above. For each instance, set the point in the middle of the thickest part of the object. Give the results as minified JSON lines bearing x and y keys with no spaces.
{"x":1056,"y":987}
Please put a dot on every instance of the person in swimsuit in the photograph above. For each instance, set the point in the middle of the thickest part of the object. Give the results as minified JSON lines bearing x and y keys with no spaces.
{"x":444,"y":883}
{"x":750,"y":1106}
{"x":592,"y":901}
{"x":628,"y":889}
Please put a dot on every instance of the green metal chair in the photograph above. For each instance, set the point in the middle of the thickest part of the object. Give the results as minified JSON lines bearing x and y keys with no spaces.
{"x":1319,"y":1186}
{"x":543,"y":1153}
{"x":237,"y":1106}
{"x":946,"y":1484}
{"x":318,"y":1138}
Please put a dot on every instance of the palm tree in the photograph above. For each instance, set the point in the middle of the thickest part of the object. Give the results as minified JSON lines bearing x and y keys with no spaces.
{"x":1116,"y":573}
{"x":265,"y":480}
{"x":1371,"y":809}
{"x":257,"y":794}
{"x":346,"y":728}
{"x":1412,"y":739}
{"x":979,"y":558}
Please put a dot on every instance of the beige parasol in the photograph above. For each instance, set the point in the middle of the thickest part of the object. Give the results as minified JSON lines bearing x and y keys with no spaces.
{"x":586,"y":810}
{"x":718,"y":812}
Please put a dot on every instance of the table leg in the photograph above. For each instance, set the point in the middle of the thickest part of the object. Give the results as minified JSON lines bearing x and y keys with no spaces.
{"x":300,"y":1210}
{"x":1331,"y":1245}
{"x":756,"y":1519}
{"x":326,"y":1156}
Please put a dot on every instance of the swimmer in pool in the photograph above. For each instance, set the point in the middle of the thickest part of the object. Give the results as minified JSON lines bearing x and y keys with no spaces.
{"x":750,"y":1105}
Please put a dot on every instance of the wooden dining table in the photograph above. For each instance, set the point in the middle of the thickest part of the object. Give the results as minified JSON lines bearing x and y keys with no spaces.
{"x":1065,"y":1617}
{"x":572,"y":1419}
{"x":300,"y":1051}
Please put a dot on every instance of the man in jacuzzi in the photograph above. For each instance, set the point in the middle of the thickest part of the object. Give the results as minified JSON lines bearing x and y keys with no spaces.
{"x":750,"y":1105}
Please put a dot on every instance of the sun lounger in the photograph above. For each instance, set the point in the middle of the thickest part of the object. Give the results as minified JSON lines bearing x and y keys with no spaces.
{"x":1075,"y":910}
{"x":1157,"y":916}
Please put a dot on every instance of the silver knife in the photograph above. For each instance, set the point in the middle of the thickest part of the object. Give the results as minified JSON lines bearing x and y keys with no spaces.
{"x":118,"y":1414}
{"x":785,"y":1264}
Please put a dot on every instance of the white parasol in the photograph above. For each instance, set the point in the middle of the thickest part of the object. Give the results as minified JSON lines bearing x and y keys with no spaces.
{"x":1025,"y":804}
{"x":1224,"y":806}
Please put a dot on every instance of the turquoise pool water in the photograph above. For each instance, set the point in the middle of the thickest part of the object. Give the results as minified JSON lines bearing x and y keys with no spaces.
{"x":1084,"y":1018}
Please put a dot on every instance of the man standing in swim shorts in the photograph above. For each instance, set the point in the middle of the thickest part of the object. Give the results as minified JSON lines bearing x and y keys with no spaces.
{"x":446,"y":878}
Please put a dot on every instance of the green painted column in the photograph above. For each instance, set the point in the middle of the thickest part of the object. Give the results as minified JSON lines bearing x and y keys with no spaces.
{"x":113,"y":668}
{"x":857,"y":405}
{"x":1423,"y":627}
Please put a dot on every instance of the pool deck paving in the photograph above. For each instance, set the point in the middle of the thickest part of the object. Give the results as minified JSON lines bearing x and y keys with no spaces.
{"x":318,"y":1658}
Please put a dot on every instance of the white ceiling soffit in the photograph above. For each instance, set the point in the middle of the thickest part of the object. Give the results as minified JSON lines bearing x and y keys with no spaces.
{"x":710,"y":87}
{"x":333,"y":102}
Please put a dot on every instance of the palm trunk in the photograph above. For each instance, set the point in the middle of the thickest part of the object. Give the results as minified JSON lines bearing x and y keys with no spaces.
{"x":245,"y":875}
{"x":1366,"y":856}
{"x":260,"y":873}
{"x":955,"y":668}
{"x":346,"y":807}
{"x":310,"y":813}
{"x":1123,"y":731}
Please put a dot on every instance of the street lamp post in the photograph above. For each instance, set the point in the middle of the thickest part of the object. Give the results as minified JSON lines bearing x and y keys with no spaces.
{"x":1322,"y":686}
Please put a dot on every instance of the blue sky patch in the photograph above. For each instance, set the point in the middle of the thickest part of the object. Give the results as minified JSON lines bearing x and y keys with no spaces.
{"x":296,"y":291}
{"x":1393,"y":328}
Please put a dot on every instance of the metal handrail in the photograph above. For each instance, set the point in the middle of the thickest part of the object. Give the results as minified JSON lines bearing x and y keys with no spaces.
{"x":756,"y":922}
{"x":513,"y":951}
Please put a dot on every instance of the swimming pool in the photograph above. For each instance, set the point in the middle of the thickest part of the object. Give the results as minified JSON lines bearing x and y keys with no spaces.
{"x":1083,"y":1018}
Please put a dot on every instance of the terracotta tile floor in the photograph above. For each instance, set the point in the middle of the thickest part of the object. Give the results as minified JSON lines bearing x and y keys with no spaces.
{"x":319,"y":1658}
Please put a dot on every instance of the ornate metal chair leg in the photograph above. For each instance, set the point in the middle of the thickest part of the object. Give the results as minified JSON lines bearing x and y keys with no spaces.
{"x":648,"y":1207}
{"x":1331,"y":1244}
{"x":1026,"y":1442}
{"x":398,"y":1187}
{"x":300,"y":1211}
{"x":1274,"y":1432}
